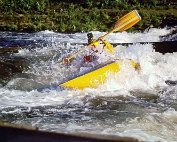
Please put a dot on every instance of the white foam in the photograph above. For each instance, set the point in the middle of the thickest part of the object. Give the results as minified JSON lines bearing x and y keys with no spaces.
{"x":45,"y":69}
{"x":155,"y":67}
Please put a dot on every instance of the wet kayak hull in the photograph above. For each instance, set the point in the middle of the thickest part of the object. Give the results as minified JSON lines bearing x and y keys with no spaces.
{"x":96,"y":77}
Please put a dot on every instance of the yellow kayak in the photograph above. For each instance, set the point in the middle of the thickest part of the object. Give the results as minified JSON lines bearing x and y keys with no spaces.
{"x":96,"y":77}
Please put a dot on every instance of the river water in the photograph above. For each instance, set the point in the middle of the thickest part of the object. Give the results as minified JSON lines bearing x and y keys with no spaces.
{"x":137,"y":104}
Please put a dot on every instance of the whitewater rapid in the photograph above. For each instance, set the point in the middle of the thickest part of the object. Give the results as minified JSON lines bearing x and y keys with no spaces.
{"x":132,"y":103}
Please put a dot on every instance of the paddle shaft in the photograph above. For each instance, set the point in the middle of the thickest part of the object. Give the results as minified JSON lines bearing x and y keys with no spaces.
{"x":74,"y":55}
{"x":124,"y":23}
{"x":116,"y":29}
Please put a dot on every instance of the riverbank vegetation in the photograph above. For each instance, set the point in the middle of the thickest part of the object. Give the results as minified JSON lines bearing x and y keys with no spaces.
{"x":82,"y":15}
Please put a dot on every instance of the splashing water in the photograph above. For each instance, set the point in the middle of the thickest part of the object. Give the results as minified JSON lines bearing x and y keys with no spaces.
{"x":130,"y":103}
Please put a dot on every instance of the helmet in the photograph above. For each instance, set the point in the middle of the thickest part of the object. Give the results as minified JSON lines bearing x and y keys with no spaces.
{"x":90,"y":35}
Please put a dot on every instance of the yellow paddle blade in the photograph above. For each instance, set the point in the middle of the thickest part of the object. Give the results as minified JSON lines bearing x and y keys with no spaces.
{"x":127,"y":21}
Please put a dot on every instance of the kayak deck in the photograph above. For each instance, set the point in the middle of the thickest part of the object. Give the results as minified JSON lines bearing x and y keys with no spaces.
{"x":96,"y":77}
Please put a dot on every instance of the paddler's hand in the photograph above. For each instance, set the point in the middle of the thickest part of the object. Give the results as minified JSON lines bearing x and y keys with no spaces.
{"x":101,"y":38}
{"x":66,"y":61}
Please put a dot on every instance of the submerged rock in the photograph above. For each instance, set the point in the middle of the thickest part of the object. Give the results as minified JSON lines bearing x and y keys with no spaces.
{"x":7,"y":51}
{"x":10,"y":65}
{"x":171,"y":82}
{"x":18,"y":133}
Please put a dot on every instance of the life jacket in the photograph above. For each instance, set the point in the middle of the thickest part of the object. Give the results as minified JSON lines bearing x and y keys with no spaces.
{"x":88,"y":58}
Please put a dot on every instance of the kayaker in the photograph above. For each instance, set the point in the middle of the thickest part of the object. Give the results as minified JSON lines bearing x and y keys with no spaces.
{"x":92,"y":46}
{"x":90,"y":57}
{"x":98,"y":51}
{"x":96,"y":48}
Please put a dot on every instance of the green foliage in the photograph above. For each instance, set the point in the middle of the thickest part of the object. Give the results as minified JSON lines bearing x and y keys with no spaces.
{"x":126,"y":4}
{"x":24,"y":5}
{"x":69,"y":16}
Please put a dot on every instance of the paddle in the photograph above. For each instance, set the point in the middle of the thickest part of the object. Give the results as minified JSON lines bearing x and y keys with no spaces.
{"x":122,"y":24}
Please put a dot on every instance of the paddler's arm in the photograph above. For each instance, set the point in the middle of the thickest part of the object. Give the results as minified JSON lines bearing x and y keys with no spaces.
{"x":107,"y":46}
{"x":95,"y":43}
